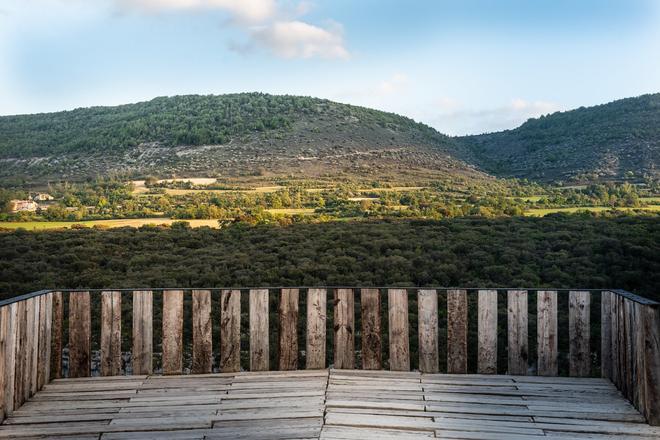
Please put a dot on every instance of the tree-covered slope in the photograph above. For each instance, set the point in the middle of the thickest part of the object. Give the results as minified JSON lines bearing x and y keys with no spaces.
{"x":227,"y":134}
{"x":609,"y":141}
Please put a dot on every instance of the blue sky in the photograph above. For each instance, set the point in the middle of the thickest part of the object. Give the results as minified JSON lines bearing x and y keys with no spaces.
{"x":462,"y":66}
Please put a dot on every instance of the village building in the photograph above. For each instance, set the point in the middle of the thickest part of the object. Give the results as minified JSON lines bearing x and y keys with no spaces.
{"x":42,"y":197}
{"x":22,"y":206}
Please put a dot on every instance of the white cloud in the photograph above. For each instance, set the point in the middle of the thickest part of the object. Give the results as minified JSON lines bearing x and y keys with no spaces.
{"x":268,"y":23}
{"x":394,"y":84}
{"x":453,"y":117}
{"x":248,"y":11}
{"x":297,"y":39}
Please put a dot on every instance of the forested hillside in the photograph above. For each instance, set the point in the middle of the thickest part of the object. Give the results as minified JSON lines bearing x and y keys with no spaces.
{"x":611,"y":141}
{"x":240,"y":134}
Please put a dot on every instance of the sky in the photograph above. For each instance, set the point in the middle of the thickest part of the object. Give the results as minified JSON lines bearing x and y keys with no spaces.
{"x":461,"y":66}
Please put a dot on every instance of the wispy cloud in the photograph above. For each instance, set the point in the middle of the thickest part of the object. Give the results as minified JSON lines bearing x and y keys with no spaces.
{"x":453,"y":117}
{"x":245,"y":11}
{"x":267,"y":24}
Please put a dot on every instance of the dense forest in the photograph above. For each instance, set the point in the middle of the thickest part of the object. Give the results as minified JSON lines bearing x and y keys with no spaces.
{"x":610,"y":141}
{"x":557,"y":251}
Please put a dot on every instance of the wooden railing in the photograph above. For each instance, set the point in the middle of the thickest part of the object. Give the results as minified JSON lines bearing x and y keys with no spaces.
{"x":369,"y":328}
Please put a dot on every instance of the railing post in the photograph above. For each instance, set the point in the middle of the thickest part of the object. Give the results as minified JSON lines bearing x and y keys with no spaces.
{"x":606,"y":334}
{"x":344,"y":322}
{"x":316,"y":331}
{"x":397,"y":300}
{"x":651,"y":328}
{"x":79,"y":334}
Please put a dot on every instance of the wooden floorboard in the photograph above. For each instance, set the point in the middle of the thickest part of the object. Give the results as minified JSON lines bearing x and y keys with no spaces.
{"x":328,"y":404}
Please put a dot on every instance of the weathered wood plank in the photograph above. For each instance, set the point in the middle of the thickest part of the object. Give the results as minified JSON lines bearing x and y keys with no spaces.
{"x":638,"y":357}
{"x":259,"y":348}
{"x":45,"y":322}
{"x":606,"y":334}
{"x":202,"y":350}
{"x":518,"y":351}
{"x":397,"y":301}
{"x":547,"y":337}
{"x":372,"y":350}
{"x":427,"y":313}
{"x":10,"y":358}
{"x":457,"y":315}
{"x":36,"y":330}
{"x":56,"y":346}
{"x":288,"y":330}
{"x":344,"y":325}
{"x":230,"y":331}
{"x":578,"y":329}
{"x":8,"y":317}
{"x":79,"y":334}
{"x":316,"y":328}
{"x":20,"y":354}
{"x":32,"y":334}
{"x":487,"y":333}
{"x":143,"y":337}
{"x":172,"y":332}
{"x":110,"y":333}
{"x":615,"y":339}
{"x":651,"y":368}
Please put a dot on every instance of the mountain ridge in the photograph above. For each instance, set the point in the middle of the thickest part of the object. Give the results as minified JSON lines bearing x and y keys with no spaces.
{"x":261,"y":134}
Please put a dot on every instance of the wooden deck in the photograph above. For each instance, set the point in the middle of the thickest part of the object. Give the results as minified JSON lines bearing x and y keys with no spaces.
{"x":334,"y":404}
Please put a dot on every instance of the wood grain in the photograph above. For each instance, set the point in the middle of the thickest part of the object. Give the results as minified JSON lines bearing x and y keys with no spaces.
{"x":457,"y":316}
{"x":172,"y":332}
{"x":606,"y":335}
{"x":316,"y":328}
{"x":230,"y":331}
{"x":110,"y":333}
{"x":397,"y":300}
{"x":487,"y":332}
{"x":143,"y":336}
{"x":79,"y":334}
{"x":202,"y":352}
{"x":372,"y":350}
{"x":547,"y":336}
{"x":518,"y":345}
{"x":344,"y":325}
{"x":56,"y":347}
{"x":288,"y":330}
{"x":578,"y":333}
{"x":427,"y":312}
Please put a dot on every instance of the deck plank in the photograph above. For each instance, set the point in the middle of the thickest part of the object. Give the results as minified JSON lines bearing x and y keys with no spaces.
{"x":329,"y":404}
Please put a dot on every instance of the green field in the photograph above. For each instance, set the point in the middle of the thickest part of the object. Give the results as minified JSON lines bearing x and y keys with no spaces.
{"x":540,"y":212}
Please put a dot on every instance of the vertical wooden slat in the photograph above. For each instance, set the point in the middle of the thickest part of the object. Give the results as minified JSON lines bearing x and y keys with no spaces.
{"x":172,"y":332}
{"x":615,"y":339}
{"x":316,"y":324}
{"x":578,"y":329}
{"x":79,"y":334}
{"x":34,"y":362}
{"x":32,"y":333}
{"x":202,"y":354}
{"x":344,"y":321}
{"x":10,"y":319}
{"x":650,"y":317}
{"x":518,"y":351}
{"x":629,"y":330}
{"x":259,"y":348}
{"x":230,"y":331}
{"x":487,"y":333}
{"x":110,"y":333}
{"x":372,"y":350}
{"x":606,"y":335}
{"x":56,"y":346}
{"x":143,"y":338}
{"x":20,"y":354}
{"x":457,"y":331}
{"x":45,"y":316}
{"x":546,"y":312}
{"x":397,"y":300}
{"x":427,"y":313}
{"x":288,"y":330}
{"x":638,"y":357}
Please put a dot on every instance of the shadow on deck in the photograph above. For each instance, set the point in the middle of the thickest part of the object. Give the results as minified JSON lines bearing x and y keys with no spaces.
{"x":328,"y":404}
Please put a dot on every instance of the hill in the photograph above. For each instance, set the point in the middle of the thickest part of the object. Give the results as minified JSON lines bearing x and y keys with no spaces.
{"x":606,"y":142}
{"x":227,"y":135}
